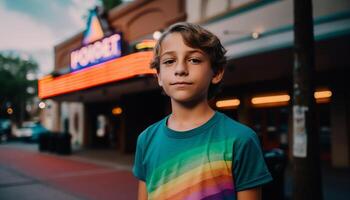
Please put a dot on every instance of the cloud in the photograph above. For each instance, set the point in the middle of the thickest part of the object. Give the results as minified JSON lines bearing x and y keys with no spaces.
{"x":46,"y":59}
{"x":54,"y":14}
{"x":21,"y":31}
{"x":78,"y":11}
{"x":35,"y":27}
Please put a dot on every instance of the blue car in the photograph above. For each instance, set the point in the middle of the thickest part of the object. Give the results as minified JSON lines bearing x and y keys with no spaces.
{"x":30,"y":131}
{"x":5,"y":130}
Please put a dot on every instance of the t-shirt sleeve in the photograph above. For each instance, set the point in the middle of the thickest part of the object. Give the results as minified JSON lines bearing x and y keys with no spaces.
{"x":139,"y":169}
{"x":249,"y":167}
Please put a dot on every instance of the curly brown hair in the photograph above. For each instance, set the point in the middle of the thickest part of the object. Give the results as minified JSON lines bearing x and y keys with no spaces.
{"x":196,"y":37}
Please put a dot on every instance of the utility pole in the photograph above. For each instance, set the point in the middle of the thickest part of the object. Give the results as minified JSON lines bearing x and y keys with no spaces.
{"x":307,"y":184}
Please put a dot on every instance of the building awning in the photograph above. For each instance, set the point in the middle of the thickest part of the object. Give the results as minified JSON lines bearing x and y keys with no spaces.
{"x":112,"y":71}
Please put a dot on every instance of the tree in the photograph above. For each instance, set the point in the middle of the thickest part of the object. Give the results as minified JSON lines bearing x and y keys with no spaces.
{"x":109,"y":4}
{"x":17,"y":85}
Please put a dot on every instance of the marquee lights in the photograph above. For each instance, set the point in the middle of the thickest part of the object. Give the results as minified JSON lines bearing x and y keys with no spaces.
{"x":97,"y":52}
{"x":146,"y":44}
{"x":114,"y":70}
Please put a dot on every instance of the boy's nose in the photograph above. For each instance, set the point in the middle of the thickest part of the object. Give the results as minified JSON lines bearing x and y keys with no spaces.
{"x":181,"y":70}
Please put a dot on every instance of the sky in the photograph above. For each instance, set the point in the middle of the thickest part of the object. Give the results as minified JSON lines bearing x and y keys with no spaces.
{"x":33,"y":27}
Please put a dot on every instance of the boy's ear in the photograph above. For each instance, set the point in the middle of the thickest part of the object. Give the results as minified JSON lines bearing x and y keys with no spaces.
{"x":160,"y":83}
{"x":218,"y":77}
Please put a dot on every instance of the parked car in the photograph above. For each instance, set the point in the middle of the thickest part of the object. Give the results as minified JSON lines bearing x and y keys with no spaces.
{"x":30,"y":131}
{"x":5,"y":130}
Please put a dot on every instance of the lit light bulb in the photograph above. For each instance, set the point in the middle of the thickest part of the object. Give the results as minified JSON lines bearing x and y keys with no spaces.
{"x":42,"y":105}
{"x":156,"y":35}
{"x":255,"y":35}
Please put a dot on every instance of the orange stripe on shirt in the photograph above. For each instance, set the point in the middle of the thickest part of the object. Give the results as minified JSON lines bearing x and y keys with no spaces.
{"x":206,"y":171}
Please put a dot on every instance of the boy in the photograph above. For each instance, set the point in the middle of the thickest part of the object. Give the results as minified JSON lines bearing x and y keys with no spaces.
{"x":195,"y":152}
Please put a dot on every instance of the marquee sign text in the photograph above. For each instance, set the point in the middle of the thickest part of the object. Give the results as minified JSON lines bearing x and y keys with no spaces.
{"x":100,"y":51}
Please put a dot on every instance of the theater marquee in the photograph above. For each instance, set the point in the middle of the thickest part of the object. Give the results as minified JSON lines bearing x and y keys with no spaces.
{"x":99,"y":51}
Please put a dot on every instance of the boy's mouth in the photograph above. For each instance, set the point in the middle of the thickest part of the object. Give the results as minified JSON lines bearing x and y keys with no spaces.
{"x":181,"y":83}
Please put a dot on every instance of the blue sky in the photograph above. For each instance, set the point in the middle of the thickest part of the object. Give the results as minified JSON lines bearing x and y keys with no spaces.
{"x":33,"y":27}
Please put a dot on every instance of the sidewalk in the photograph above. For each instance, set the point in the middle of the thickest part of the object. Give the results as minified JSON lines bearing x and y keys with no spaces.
{"x":27,"y":174}
{"x":102,"y":174}
{"x":105,"y":157}
{"x":335,"y":182}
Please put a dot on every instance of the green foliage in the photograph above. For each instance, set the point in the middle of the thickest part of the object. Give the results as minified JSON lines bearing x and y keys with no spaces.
{"x":14,"y":84}
{"x":109,"y":4}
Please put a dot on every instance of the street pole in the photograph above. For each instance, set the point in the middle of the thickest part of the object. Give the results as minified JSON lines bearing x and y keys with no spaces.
{"x":307,"y":183}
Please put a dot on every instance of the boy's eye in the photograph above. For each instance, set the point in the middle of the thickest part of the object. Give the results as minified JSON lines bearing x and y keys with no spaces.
{"x":168,"y":62}
{"x":194,"y":60}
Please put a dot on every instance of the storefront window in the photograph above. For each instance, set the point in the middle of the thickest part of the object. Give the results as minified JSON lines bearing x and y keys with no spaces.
{"x":271,"y":124}
{"x":101,"y":126}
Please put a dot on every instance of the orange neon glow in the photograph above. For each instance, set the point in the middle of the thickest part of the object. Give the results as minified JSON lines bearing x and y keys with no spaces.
{"x":227,"y":103}
{"x":323,"y":96}
{"x":270,"y":101}
{"x":111,"y":71}
{"x":9,"y":111}
{"x":117,"y":111}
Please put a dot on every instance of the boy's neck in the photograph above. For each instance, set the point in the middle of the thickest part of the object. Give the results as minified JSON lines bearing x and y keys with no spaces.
{"x":185,"y":117}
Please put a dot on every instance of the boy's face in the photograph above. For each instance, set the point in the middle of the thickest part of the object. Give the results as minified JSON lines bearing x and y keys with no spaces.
{"x":185,"y":73}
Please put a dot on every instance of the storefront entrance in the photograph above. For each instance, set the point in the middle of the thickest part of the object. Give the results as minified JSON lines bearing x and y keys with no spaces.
{"x":103,"y":127}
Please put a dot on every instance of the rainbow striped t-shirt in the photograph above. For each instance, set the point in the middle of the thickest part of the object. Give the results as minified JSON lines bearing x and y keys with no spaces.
{"x":212,"y":161}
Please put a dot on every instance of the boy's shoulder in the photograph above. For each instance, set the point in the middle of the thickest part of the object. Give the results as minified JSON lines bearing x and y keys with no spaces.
{"x":238,"y":129}
{"x":150,"y":131}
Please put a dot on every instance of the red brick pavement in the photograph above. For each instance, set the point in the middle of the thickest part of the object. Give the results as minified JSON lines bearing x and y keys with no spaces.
{"x":83,"y":179}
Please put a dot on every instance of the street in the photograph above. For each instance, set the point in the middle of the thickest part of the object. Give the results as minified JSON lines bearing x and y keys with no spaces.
{"x":27,"y":174}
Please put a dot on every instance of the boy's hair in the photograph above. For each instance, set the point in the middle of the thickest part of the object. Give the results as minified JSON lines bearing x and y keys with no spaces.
{"x":196,"y":37}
